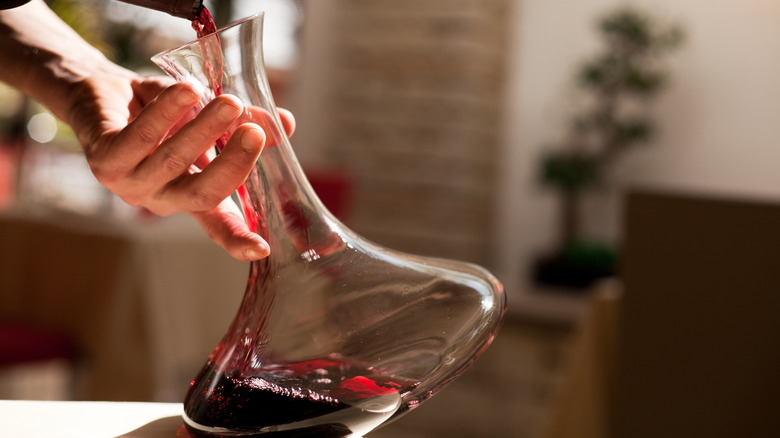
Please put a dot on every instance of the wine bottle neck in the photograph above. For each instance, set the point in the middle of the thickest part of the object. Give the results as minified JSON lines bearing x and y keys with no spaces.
{"x":10,"y":4}
{"x":187,"y":9}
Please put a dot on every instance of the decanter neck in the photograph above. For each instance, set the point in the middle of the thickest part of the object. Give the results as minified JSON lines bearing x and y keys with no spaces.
{"x":282,"y":207}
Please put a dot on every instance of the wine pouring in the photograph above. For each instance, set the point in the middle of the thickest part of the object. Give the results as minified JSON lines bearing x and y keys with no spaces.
{"x":335,"y":335}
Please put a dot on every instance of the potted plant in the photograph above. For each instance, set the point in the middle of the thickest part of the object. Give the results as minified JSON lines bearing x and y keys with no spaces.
{"x":617,"y":87}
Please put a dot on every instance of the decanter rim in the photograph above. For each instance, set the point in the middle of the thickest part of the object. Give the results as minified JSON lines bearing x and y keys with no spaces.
{"x":260,"y":15}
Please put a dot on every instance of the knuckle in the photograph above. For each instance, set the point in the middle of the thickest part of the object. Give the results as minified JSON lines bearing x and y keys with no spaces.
{"x":213,"y":232}
{"x":202,"y":136}
{"x":168,"y":115}
{"x":174,"y":163}
{"x":133,"y":199}
{"x":108,"y":179}
{"x":132,"y":195}
{"x":99,"y":170}
{"x":145,"y":136}
{"x":235,"y":165}
{"x":200,"y":199}
{"x":105,"y":174}
{"x":130,"y":192}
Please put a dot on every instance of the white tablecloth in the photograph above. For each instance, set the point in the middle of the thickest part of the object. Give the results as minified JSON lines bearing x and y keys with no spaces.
{"x":147,"y":300}
{"x":42,"y":419}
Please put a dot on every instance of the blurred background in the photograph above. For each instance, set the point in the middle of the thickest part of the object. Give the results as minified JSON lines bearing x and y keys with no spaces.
{"x":612,"y":163}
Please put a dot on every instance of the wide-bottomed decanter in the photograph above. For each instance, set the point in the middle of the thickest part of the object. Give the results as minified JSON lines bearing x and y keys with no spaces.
{"x":335,"y":335}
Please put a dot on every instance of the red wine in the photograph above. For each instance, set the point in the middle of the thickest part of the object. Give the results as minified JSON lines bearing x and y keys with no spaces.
{"x":204,"y":24}
{"x":326,"y":398}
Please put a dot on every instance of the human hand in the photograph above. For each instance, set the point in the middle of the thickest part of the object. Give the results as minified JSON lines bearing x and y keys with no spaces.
{"x":144,"y":143}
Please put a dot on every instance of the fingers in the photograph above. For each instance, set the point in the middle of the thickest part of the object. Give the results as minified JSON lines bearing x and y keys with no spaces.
{"x":147,"y":160}
{"x":256,"y":116}
{"x":176,"y":154}
{"x":148,"y":88}
{"x":264,"y":119}
{"x":151,"y":126}
{"x":226,"y":227}
{"x":224,"y":174}
{"x":288,"y":121}
{"x":224,"y":224}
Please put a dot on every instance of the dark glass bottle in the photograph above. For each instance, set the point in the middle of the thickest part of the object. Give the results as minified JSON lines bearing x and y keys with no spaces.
{"x":10,"y":4}
{"x":188,"y":9}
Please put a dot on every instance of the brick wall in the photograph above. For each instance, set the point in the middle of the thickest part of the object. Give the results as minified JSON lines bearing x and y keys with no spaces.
{"x":412,"y":111}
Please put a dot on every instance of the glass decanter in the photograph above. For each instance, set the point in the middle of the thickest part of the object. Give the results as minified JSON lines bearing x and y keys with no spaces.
{"x":335,"y":335}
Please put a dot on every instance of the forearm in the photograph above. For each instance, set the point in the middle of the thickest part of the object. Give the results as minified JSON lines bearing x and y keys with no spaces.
{"x":44,"y":58}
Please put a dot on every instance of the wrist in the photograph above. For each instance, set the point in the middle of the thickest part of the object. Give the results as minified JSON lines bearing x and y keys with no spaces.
{"x":63,"y":76}
{"x":56,"y":76}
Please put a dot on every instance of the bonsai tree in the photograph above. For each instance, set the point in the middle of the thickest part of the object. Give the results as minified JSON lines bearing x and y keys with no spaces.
{"x":617,"y":87}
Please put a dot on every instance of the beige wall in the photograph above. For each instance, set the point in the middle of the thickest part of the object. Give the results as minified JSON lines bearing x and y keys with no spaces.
{"x":720,"y":119}
{"x":720,"y":129}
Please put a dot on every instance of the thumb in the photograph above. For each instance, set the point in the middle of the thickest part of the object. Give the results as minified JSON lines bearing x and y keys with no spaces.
{"x":226,"y":227}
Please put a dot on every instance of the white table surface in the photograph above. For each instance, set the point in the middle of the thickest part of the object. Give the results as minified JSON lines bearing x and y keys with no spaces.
{"x":82,"y":419}
{"x":47,"y":419}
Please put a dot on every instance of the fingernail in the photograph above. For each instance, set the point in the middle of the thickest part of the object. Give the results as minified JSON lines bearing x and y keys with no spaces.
{"x":286,"y":113}
{"x":257,"y":252}
{"x":187,"y":96}
{"x":252,"y":139}
{"x":227,"y":111}
{"x":288,"y":121}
